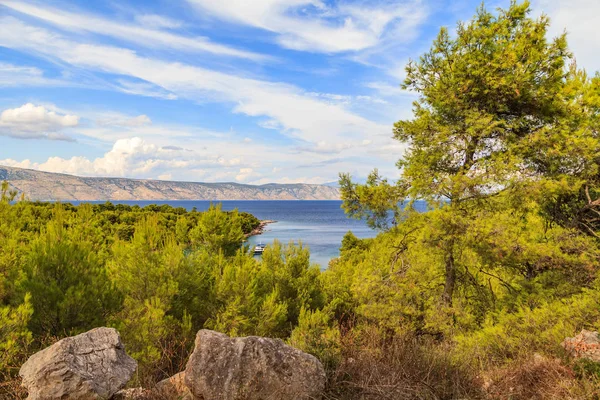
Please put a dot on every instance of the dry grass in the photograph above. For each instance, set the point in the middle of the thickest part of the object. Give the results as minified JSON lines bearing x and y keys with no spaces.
{"x":10,"y":388}
{"x":538,"y":378}
{"x":381,"y":366}
{"x":399,"y":367}
{"x":174,"y":351}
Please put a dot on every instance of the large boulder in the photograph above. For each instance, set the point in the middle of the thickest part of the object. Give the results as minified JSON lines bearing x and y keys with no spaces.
{"x":251,"y":368}
{"x":89,"y":366}
{"x":584,"y":345}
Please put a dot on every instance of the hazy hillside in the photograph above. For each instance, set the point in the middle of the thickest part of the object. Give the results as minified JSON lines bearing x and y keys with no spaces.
{"x":39,"y":185}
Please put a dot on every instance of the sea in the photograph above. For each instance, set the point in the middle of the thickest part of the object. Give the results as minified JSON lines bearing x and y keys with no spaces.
{"x":318,"y":224}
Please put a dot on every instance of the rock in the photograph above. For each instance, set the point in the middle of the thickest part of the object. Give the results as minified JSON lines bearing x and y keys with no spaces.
{"x":251,"y":368}
{"x":174,"y":388}
{"x":260,"y":228}
{"x":92,"y":365}
{"x":132,"y":394}
{"x":584,"y":345}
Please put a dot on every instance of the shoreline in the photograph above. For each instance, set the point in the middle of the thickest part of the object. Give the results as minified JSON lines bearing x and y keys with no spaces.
{"x":260,"y":228}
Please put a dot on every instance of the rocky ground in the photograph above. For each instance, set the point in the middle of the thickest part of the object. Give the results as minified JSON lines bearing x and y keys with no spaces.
{"x":261,"y":227}
{"x":94,"y":365}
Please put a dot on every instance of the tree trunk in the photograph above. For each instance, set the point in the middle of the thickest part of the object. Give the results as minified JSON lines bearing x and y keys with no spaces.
{"x":450,"y":276}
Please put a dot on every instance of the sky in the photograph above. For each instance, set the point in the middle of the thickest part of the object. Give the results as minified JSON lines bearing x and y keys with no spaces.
{"x":248,"y":91}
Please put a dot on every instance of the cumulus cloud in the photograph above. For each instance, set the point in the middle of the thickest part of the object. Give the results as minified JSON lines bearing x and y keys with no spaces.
{"x":165,"y":177}
{"x":133,"y":157}
{"x":314,"y":25}
{"x":9,"y":162}
{"x":244,"y":174}
{"x":35,"y":122}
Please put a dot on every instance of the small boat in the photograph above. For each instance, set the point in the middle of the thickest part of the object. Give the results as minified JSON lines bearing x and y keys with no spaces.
{"x":259,"y":249}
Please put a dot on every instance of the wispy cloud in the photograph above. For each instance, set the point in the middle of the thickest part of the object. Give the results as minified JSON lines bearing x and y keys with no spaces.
{"x":277,"y":126}
{"x":130,"y":31}
{"x":125,"y":121}
{"x":157,"y":21}
{"x":299,"y":114}
{"x":146,"y":89}
{"x":18,"y":76}
{"x":314,"y":25}
{"x":579,"y":18}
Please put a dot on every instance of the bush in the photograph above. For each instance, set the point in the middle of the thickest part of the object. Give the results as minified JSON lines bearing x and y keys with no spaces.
{"x":517,"y":335}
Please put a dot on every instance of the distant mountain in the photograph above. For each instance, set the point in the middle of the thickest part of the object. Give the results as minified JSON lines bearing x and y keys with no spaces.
{"x":336,"y":184}
{"x":38,"y":185}
{"x":332,"y":184}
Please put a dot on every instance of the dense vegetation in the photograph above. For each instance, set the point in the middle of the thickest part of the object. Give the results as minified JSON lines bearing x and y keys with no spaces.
{"x":504,"y":148}
{"x":157,"y":273}
{"x":470,"y":299}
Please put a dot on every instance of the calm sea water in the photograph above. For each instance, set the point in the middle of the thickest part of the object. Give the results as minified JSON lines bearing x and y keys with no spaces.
{"x":320,"y":225}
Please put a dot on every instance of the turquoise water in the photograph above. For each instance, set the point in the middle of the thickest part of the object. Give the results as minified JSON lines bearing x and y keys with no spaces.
{"x":320,"y":225}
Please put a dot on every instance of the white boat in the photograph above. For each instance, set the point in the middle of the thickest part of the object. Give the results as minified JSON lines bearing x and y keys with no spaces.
{"x":259,"y":249}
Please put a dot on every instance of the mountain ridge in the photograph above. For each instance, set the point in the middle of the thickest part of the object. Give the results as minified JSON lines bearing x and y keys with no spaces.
{"x":50,"y":186}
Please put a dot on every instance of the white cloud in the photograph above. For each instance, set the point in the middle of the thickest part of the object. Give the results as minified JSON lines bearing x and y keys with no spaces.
{"x":157,"y":21}
{"x":398,"y":71}
{"x":270,"y":124}
{"x":18,"y":76}
{"x":125,"y":121}
{"x":300,"y":115}
{"x":580,"y":20}
{"x":325,"y":147}
{"x":346,"y":100}
{"x":8,"y":71}
{"x":9,"y":162}
{"x":129,"y":32}
{"x":288,"y":180}
{"x":314,"y":25}
{"x":144,"y":89}
{"x":244,"y":174}
{"x":219,"y":160}
{"x":133,"y":157}
{"x":317,"y":125}
{"x":165,"y":177}
{"x":35,"y":122}
{"x":386,"y":89}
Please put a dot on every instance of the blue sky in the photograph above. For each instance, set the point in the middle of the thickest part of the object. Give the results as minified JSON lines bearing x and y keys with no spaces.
{"x":251,"y":91}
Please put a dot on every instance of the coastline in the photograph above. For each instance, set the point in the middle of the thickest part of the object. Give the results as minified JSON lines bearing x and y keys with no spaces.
{"x":260,"y":228}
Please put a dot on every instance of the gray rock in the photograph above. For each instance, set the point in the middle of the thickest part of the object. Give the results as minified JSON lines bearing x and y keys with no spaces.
{"x":251,"y":368}
{"x":584,"y":345}
{"x":174,"y":388}
{"x":92,"y":365}
{"x":132,"y":394}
